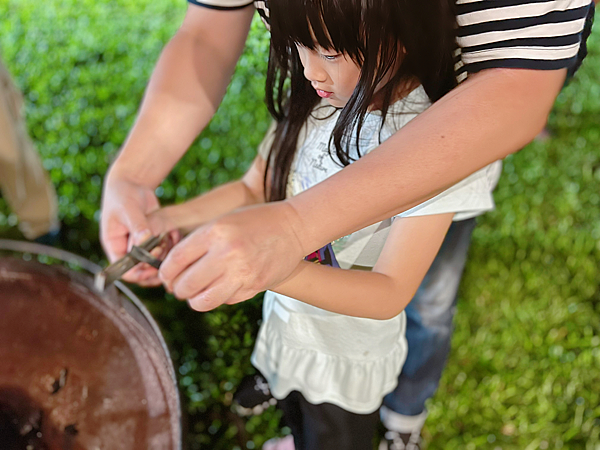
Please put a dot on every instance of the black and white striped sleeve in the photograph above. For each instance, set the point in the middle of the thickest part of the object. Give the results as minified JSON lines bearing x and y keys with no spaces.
{"x":261,"y":6}
{"x":222,"y":4}
{"x":530,"y":34}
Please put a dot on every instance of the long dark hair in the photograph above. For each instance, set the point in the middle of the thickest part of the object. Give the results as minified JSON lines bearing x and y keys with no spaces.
{"x":373,"y":33}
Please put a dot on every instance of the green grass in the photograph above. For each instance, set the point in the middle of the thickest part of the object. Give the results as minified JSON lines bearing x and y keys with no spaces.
{"x":524,"y":369}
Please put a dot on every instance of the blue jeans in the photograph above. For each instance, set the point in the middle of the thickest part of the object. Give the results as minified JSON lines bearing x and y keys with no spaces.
{"x":430,"y":313}
{"x":429,"y":324}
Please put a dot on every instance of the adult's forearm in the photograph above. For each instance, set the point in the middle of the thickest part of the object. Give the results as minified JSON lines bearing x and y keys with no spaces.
{"x":184,"y":91}
{"x":491,"y":115}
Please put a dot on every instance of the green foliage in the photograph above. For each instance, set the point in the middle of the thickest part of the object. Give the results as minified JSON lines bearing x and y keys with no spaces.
{"x":524,"y":370}
{"x":83,"y":67}
{"x":525,"y":366}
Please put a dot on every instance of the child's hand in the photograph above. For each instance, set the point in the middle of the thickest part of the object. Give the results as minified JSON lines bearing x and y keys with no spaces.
{"x":144,"y":274}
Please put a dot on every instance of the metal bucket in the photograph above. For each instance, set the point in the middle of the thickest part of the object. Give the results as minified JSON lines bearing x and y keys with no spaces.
{"x":79,"y":369}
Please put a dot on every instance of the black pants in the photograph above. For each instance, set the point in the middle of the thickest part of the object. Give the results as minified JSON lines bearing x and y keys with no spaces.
{"x":326,"y":426}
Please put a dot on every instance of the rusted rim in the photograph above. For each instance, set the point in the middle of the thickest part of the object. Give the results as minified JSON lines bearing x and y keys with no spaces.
{"x":23,"y":247}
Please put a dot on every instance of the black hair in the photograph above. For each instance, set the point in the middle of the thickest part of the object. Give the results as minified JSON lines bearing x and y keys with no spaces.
{"x":374,"y":34}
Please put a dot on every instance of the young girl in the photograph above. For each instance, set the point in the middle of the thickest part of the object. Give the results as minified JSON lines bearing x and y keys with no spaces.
{"x":343,"y":77}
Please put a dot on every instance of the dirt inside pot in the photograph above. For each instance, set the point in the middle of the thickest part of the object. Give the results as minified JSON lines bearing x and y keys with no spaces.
{"x":78,"y":370}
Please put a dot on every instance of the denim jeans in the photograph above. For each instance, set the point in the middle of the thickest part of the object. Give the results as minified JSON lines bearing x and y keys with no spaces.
{"x":430,"y":313}
{"x":429,"y":324}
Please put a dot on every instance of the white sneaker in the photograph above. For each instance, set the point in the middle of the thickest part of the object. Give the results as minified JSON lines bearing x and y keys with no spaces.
{"x":286,"y":443}
{"x":394,"y":440}
{"x":403,"y":432}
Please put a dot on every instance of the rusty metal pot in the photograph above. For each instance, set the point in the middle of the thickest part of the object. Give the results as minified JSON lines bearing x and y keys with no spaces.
{"x":79,"y":369}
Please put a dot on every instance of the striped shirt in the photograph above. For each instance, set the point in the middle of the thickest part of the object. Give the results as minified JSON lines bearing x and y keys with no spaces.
{"x":529,"y":34}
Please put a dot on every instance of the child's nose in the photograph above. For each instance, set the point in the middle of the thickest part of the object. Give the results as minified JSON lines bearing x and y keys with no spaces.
{"x":313,"y":70}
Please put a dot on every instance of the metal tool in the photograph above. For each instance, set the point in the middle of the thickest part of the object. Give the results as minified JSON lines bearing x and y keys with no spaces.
{"x":138,"y":254}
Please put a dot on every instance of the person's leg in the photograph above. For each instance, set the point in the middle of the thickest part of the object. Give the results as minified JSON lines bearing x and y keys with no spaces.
{"x":292,"y":417}
{"x":428,"y":332}
{"x":326,"y":426}
{"x":25,"y":185}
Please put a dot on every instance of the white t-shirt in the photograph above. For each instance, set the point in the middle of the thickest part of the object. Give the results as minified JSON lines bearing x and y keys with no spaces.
{"x":348,"y":361}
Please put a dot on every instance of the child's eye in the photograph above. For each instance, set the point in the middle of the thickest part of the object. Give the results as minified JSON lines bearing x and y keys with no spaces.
{"x":330,"y":57}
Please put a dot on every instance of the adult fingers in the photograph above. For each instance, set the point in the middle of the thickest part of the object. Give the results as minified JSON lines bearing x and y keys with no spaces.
{"x":241,"y":295}
{"x":138,"y":226}
{"x":114,"y":233}
{"x":196,"y":278}
{"x":114,"y":241}
{"x":213,"y":296}
{"x":183,"y":255}
{"x":250,"y":248}
{"x":123,"y":220}
{"x":222,"y":290}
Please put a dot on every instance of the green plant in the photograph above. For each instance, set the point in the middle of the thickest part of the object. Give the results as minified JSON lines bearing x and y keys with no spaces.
{"x":523,"y":373}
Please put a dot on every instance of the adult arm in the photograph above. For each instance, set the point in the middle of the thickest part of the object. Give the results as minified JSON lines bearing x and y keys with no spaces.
{"x":491,"y":115}
{"x":494,"y":113}
{"x":384,"y":292}
{"x":184,"y":91}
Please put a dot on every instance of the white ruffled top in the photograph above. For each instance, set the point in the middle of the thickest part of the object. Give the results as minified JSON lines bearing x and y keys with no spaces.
{"x":348,"y":361}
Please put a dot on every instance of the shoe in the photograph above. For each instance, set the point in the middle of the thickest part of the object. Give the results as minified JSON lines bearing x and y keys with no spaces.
{"x":394,"y":440}
{"x":402,"y":432}
{"x":286,"y":443}
{"x":253,"y":396}
{"x":51,"y":238}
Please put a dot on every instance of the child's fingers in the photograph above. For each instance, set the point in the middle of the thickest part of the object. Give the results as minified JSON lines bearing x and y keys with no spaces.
{"x":148,"y":276}
{"x":138,"y":238}
{"x":132,"y":276}
{"x":160,"y":252}
{"x":174,"y":237}
{"x":151,"y":282}
{"x":140,"y":274}
{"x":168,"y":242}
{"x":143,"y":274}
{"x":160,"y":223}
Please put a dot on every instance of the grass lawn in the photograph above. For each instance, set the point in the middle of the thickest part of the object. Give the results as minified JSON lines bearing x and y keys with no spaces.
{"x":524,"y":372}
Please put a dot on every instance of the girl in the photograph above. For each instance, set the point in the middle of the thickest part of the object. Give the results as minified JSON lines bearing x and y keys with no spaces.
{"x":342,"y":78}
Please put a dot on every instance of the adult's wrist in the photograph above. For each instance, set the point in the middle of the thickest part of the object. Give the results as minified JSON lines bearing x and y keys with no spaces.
{"x":297,"y":230}
{"x":127,"y":171}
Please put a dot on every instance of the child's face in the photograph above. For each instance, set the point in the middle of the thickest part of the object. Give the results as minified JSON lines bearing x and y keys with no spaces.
{"x":331,"y":74}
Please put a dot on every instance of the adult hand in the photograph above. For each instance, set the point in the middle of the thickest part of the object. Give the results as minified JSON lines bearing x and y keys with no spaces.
{"x":185,"y":89}
{"x":234,"y":257}
{"x":124,"y":222}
